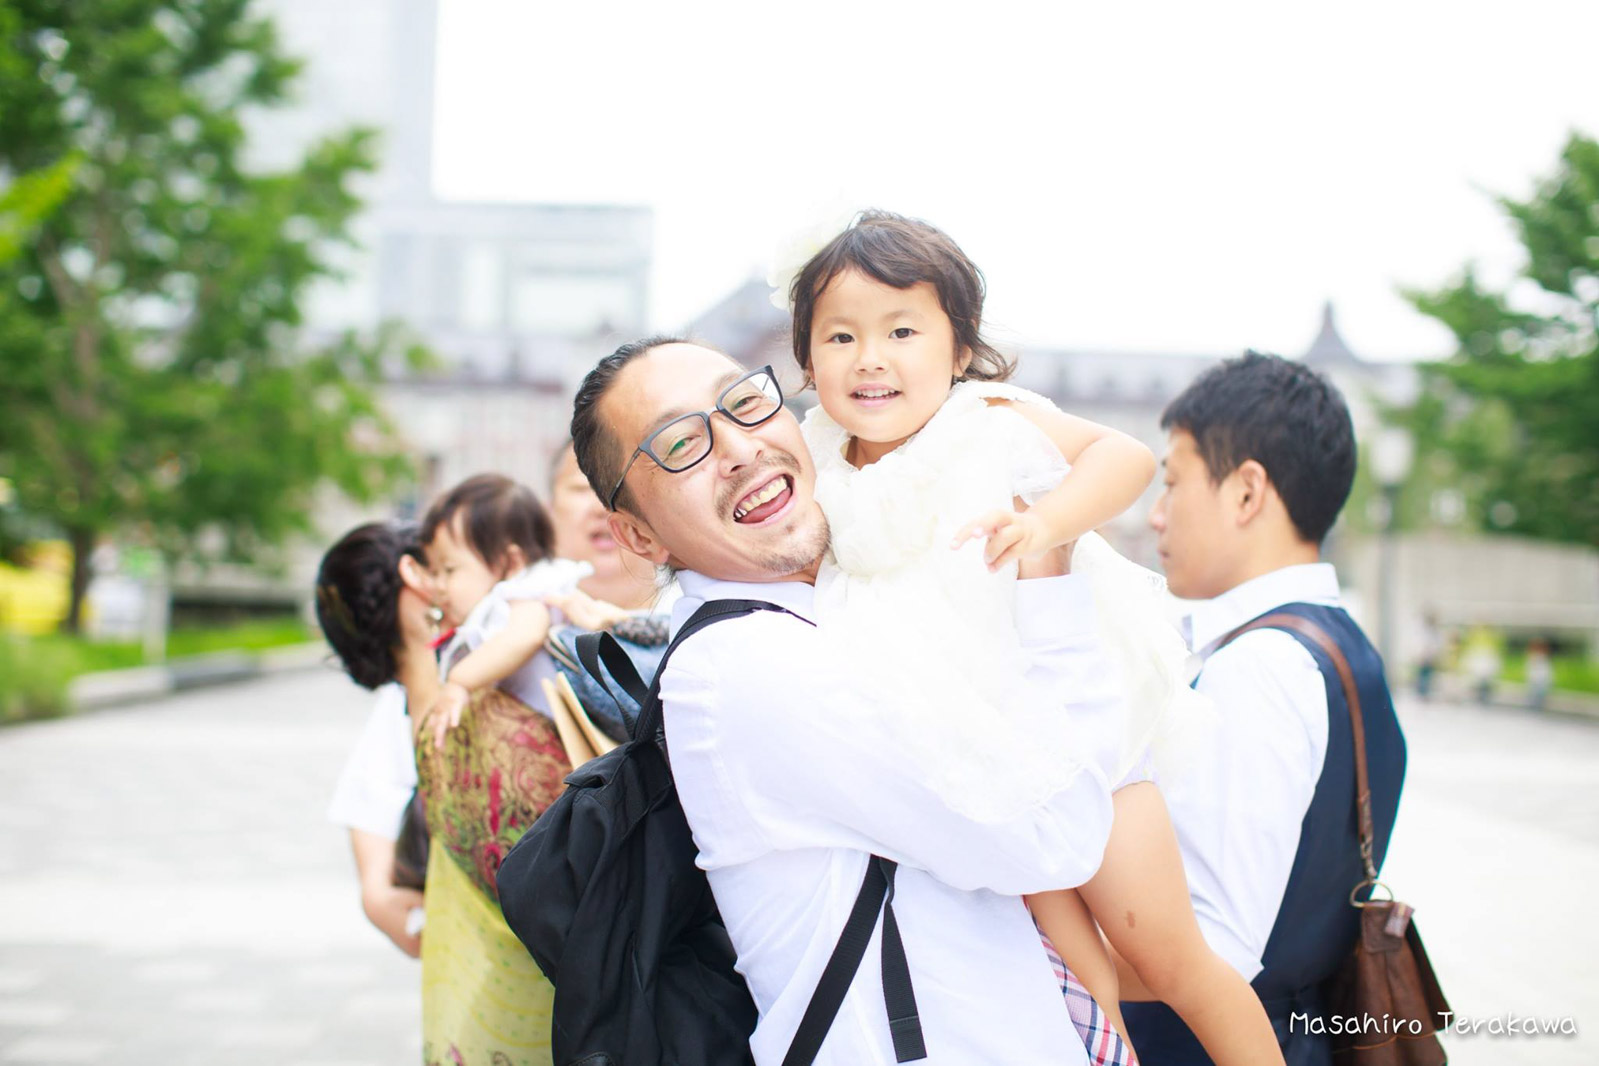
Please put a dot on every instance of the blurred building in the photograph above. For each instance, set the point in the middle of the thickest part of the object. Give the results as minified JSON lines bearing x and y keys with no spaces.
{"x":1124,"y":389}
{"x":517,"y":299}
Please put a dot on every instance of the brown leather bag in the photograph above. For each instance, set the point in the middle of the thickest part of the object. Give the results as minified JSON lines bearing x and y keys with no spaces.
{"x":1386,"y":991}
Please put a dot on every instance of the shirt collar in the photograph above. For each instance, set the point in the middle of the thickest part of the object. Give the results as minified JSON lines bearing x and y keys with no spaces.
{"x":796,"y":596}
{"x":1209,"y":621}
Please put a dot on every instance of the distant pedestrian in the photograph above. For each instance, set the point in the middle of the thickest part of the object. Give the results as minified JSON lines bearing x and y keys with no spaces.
{"x":1482,"y":663}
{"x":1432,"y":651}
{"x":1540,"y":674}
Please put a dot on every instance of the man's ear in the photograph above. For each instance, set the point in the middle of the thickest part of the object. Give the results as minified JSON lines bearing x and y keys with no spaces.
{"x":1249,"y":491}
{"x":634,"y":534}
{"x":415,"y":576}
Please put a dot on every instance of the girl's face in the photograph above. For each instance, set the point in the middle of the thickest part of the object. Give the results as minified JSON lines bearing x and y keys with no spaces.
{"x":882,"y":359}
{"x":461,"y":576}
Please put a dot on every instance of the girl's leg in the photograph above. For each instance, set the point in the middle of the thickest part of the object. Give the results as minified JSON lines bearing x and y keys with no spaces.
{"x":1064,"y":918}
{"x":1140,"y":899}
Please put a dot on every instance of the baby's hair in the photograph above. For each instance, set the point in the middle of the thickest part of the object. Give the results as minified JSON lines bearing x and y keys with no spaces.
{"x":358,"y":596}
{"x":497,"y":515}
{"x":900,"y":252}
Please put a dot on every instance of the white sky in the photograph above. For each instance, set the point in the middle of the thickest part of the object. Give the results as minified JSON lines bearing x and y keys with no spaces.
{"x":1162,"y":177}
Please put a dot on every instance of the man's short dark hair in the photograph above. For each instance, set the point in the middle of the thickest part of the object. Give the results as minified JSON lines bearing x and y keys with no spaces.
{"x":599,"y":454}
{"x":1286,"y":417}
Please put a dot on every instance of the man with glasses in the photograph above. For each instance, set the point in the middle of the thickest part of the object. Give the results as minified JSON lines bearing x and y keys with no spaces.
{"x":785,"y":770}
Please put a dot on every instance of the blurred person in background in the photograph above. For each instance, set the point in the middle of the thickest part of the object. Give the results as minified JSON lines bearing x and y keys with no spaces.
{"x":1480,"y":658}
{"x":1432,"y":654}
{"x":483,"y":999}
{"x":380,"y":775}
{"x":1260,"y":459}
{"x":1540,"y":674}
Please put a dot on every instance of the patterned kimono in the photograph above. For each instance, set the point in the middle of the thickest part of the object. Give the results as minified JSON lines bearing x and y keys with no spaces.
{"x":484,"y":1001}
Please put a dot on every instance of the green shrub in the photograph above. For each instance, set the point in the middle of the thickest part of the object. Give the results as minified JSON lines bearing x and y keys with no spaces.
{"x":35,"y":671}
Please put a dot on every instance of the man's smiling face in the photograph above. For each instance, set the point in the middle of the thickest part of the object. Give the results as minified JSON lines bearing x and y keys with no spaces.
{"x":747,"y":512}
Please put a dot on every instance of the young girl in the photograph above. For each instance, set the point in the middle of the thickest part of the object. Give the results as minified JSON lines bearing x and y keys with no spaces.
{"x":490,"y":545}
{"x":919,"y":450}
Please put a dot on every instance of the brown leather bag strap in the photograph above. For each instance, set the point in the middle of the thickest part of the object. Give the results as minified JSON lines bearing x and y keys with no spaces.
{"x":1346,"y":677}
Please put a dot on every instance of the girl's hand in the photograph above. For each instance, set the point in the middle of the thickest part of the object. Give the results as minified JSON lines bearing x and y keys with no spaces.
{"x":1012,"y":536}
{"x":445,"y":714}
{"x":585,"y":612}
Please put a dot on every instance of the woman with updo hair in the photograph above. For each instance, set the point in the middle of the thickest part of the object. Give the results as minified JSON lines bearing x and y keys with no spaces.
{"x":484,"y":1000}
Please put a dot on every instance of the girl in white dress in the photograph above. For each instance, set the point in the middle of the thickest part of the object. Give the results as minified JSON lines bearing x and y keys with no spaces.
{"x":937,"y":480}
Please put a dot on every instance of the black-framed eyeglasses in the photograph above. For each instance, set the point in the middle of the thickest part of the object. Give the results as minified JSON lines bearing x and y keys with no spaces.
{"x":683,"y":442}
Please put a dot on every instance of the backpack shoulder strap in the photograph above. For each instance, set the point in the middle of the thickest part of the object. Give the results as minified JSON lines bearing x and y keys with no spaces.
{"x":708,"y":613}
{"x":595,"y":648}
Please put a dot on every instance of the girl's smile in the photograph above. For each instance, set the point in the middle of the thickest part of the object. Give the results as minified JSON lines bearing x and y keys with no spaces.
{"x":882,"y":359}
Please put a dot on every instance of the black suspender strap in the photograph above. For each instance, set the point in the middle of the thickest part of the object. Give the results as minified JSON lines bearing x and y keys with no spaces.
{"x":905,"y":1025}
{"x":904,"y":1022}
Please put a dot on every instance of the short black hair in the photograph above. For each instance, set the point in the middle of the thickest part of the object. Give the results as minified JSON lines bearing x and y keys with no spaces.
{"x":599,"y":454}
{"x":498,"y":513}
{"x":1286,"y":417}
{"x":358,"y":595}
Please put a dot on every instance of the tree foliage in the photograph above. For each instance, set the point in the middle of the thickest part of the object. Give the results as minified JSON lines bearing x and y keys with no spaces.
{"x":1512,"y":419}
{"x":157,"y":381}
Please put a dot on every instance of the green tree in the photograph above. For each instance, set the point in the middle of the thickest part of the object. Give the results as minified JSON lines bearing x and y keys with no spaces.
{"x":156,"y":381}
{"x":1512,"y":419}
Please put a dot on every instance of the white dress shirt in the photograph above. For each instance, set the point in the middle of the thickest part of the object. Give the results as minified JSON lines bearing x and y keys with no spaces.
{"x":380,"y":773}
{"x":1239,"y":794}
{"x":789,"y":786}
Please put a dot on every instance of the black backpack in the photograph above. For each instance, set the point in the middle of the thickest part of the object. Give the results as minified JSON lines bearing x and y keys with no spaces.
{"x":604,"y":893}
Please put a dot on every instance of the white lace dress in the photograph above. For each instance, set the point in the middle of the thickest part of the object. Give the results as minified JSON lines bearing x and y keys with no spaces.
{"x":548,"y":577}
{"x":892,"y":582}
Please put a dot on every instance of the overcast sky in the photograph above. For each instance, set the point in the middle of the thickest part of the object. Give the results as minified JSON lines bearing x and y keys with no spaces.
{"x":1160,"y":177}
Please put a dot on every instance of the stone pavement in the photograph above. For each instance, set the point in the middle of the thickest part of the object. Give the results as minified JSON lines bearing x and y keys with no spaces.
{"x":170,"y":892}
{"x":1497,"y":848}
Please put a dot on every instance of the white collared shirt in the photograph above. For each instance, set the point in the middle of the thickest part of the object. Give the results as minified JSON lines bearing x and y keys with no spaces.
{"x":1237,"y":802}
{"x":789,"y":787}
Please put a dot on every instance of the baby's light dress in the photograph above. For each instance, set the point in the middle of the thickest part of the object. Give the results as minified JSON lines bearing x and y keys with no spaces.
{"x":548,"y":577}
{"x":901,"y":594}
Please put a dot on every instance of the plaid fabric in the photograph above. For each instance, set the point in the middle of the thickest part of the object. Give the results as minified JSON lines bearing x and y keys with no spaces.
{"x":1105,"y":1045}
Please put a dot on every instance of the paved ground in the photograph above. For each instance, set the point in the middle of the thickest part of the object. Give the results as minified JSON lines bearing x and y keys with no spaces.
{"x":169,"y":891}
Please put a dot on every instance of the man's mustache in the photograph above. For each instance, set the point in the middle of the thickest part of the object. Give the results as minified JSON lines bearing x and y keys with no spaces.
{"x":780,"y":461}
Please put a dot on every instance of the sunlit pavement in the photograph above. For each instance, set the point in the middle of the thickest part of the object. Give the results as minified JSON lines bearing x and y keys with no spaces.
{"x":170,"y":892}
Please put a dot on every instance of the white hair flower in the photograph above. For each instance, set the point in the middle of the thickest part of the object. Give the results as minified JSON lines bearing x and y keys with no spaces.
{"x":792,"y":256}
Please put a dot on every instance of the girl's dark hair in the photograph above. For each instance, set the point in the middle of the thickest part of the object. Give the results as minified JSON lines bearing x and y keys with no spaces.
{"x":358,"y":598}
{"x":498,"y":513}
{"x":900,"y":252}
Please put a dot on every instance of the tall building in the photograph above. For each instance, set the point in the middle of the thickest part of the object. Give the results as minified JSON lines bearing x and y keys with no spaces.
{"x":516,"y":299}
